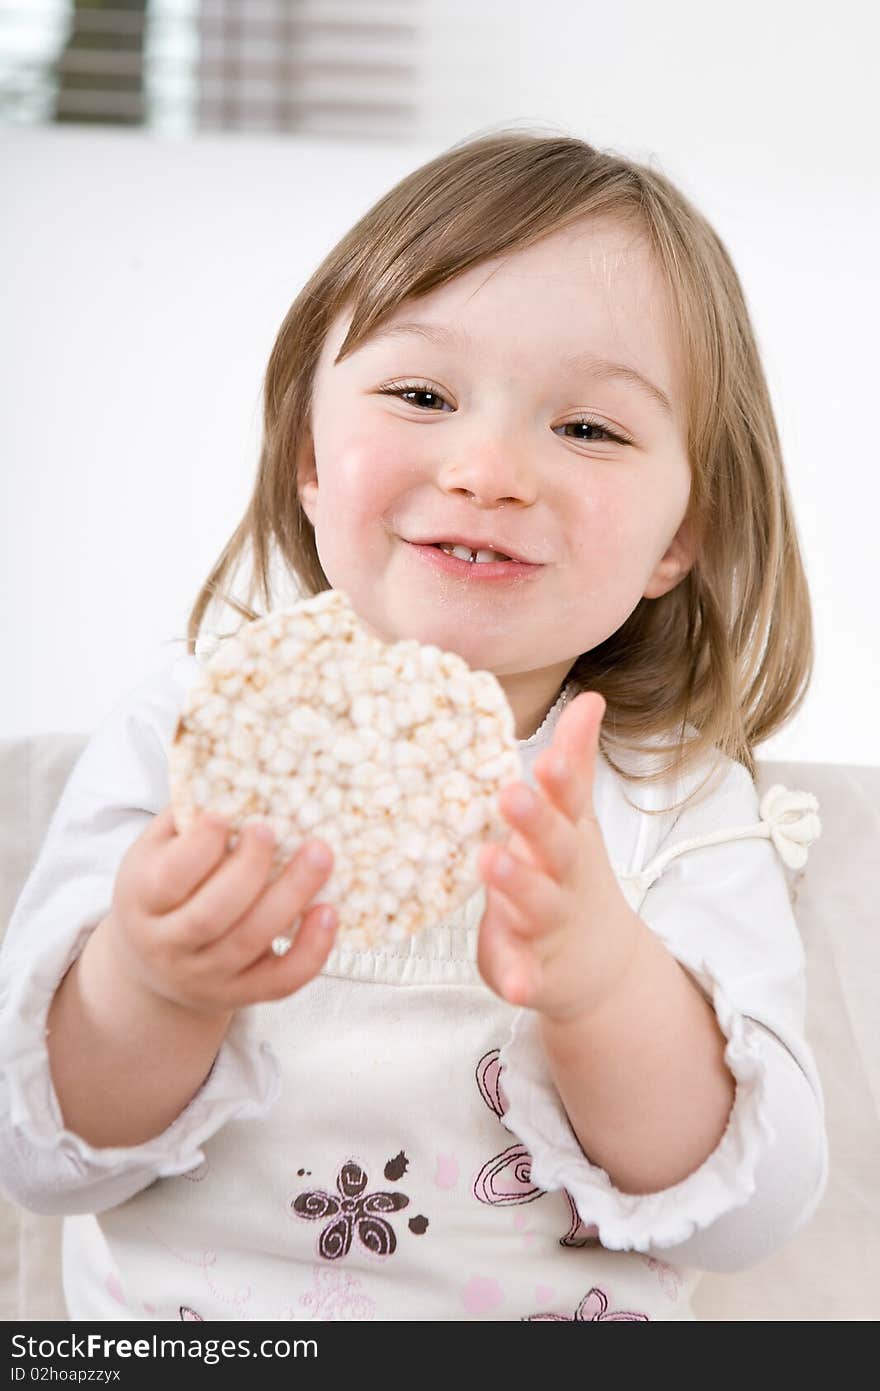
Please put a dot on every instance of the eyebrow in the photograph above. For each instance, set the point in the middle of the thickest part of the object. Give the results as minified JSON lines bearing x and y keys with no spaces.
{"x":589,"y":363}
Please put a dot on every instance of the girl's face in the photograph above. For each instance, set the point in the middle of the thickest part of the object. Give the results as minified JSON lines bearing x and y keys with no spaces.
{"x":509,"y":427}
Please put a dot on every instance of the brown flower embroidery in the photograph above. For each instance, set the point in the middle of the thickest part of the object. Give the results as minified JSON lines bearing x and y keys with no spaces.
{"x":593,"y":1308}
{"x":352,"y":1214}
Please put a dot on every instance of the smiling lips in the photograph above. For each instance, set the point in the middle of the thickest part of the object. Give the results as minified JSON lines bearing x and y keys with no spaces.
{"x":465,"y":553}
{"x":466,"y":563}
{"x":479,"y":550}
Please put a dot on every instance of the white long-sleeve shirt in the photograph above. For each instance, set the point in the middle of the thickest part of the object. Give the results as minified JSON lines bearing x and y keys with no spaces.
{"x":375,"y":1145}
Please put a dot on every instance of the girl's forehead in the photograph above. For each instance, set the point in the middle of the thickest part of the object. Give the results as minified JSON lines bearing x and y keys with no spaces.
{"x":594,"y":286}
{"x":591,"y":248}
{"x":594,"y":271}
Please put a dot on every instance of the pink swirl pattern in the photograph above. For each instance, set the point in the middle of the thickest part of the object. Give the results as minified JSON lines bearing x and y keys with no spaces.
{"x":507,"y":1178}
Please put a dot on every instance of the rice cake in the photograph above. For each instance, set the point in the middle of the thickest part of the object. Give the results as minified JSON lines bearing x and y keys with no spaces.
{"x":392,"y":753}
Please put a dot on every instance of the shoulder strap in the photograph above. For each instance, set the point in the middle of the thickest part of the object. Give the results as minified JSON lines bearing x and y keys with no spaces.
{"x":788,"y":818}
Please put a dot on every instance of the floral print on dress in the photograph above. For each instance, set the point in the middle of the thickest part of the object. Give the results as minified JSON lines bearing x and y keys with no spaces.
{"x":353,"y":1213}
{"x":507,"y":1178}
{"x":335,"y":1297}
{"x":206,"y":1261}
{"x":670,"y":1280}
{"x":593,"y":1308}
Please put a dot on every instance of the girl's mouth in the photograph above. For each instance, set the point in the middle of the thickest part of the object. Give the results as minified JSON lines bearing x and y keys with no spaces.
{"x":472,"y":569}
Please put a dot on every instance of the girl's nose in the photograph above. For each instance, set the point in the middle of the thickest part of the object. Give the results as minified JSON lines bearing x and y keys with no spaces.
{"x":491,"y":471}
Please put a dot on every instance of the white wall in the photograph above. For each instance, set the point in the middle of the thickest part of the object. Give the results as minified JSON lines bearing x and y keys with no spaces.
{"x":144,"y":281}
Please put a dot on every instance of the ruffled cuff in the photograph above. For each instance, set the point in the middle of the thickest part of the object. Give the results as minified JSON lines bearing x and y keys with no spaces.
{"x":243,"y":1082}
{"x":633,"y":1221}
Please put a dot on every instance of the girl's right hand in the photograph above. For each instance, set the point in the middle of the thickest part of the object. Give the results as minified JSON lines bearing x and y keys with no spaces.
{"x":194,"y":924}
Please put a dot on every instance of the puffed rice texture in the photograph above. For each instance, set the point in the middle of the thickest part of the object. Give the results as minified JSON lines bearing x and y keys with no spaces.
{"x":392,"y":753}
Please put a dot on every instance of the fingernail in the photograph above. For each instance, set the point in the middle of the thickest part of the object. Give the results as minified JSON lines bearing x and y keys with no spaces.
{"x":210,"y":821}
{"x":326,"y":920}
{"x":264,"y":833}
{"x":521,"y":801}
{"x":318,"y":856}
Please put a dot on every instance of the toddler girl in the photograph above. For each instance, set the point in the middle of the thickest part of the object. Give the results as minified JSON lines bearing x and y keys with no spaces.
{"x":591,"y":1083}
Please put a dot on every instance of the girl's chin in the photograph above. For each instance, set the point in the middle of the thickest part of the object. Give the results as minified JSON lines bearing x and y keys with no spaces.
{"x":405,"y":615}
{"x":433,"y":631}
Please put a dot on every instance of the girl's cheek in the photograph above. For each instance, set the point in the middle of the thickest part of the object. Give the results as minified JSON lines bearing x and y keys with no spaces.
{"x":370,"y":471}
{"x":616,"y":539}
{"x":625,"y":515}
{"x":606,"y":523}
{"x":363,"y":488}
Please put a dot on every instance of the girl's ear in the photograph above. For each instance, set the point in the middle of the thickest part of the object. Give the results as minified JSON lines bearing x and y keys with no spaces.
{"x":307,"y":482}
{"x":676,"y":562}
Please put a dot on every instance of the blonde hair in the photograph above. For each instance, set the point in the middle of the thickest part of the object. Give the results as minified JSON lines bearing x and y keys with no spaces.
{"x":722,"y":660}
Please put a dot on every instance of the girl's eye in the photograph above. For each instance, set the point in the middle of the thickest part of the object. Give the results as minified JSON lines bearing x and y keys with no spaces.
{"x":414,"y":389}
{"x":599,"y":433}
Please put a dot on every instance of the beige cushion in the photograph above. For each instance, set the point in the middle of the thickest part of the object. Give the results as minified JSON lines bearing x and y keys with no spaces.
{"x":32,"y":775}
{"x":831,"y":1269}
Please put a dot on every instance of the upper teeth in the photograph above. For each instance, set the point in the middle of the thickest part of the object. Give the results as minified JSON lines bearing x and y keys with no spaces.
{"x":465,"y":553}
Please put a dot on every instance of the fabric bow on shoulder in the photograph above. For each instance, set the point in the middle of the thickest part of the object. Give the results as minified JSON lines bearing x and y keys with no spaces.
{"x":792,"y":822}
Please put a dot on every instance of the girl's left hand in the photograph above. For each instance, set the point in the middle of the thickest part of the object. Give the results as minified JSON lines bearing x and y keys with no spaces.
{"x":557,"y":933}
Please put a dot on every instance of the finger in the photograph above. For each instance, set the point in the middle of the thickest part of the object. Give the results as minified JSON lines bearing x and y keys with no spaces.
{"x":163,"y":826}
{"x":273,"y":977}
{"x":274,"y":913}
{"x":549,"y":838}
{"x":505,"y":961}
{"x":495,"y":900}
{"x":227,"y":894}
{"x":534,"y":902}
{"x":176,"y":864}
{"x":567,"y":770}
